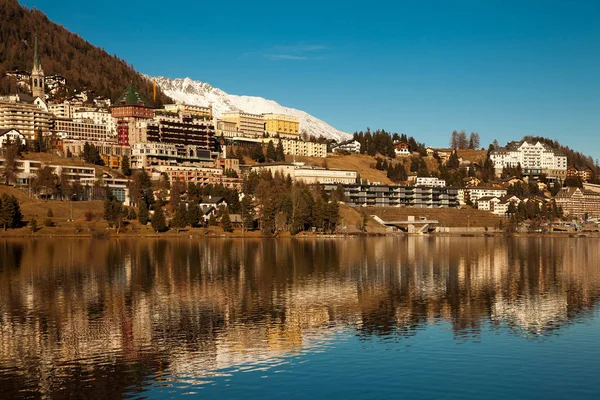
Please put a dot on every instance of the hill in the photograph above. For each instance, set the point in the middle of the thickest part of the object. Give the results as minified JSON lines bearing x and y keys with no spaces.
{"x":85,"y":67}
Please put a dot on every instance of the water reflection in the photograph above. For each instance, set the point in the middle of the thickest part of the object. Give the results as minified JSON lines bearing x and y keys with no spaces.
{"x":101,"y":318}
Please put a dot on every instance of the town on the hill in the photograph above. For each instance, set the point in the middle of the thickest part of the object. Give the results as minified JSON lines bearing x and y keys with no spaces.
{"x":178,"y":166}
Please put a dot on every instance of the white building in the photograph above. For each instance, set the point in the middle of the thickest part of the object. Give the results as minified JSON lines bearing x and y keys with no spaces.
{"x":11,"y":136}
{"x":24,"y":117}
{"x":98,"y":116}
{"x":350,"y":146}
{"x":533,"y":158}
{"x":476,"y":193}
{"x":308,"y":174}
{"x":430,"y":182}
{"x":79,"y":130}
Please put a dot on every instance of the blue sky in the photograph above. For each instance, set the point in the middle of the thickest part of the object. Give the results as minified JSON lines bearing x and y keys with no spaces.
{"x":501,"y":68}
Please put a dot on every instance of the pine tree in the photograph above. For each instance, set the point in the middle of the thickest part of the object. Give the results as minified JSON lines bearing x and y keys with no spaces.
{"x":179,"y":220}
{"x":271,"y":153}
{"x":125,"y":166}
{"x":248,"y":213}
{"x":257,"y":154}
{"x":226,"y":221}
{"x":10,"y":212}
{"x":143,"y":213}
{"x":280,"y":155}
{"x":158,"y":220}
{"x":193,"y":214}
{"x":212,"y":220}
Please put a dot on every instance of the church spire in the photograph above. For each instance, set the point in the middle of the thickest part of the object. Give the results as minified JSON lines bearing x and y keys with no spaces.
{"x":37,"y":74}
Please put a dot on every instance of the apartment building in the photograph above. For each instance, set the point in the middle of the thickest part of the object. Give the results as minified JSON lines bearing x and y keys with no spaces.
{"x":81,"y":130}
{"x":398,"y":196}
{"x":309,"y":174}
{"x":154,"y":154}
{"x":199,"y":175}
{"x":182,"y":129}
{"x":475,"y":193}
{"x":285,"y":126}
{"x":226,"y":129}
{"x":64,"y":109}
{"x":297,"y":147}
{"x":11,"y":136}
{"x":428,"y":181}
{"x":24,"y":117}
{"x":534,"y":158}
{"x":197,"y":111}
{"x":98,"y":116}
{"x":586,"y":174}
{"x":26,"y":169}
{"x":247,"y":124}
{"x":578,"y":202}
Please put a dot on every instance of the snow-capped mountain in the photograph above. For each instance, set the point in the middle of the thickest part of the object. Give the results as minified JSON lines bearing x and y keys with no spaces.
{"x":199,"y":93}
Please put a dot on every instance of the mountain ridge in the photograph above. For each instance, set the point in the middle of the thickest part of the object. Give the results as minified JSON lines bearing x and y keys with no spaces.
{"x":193,"y":92}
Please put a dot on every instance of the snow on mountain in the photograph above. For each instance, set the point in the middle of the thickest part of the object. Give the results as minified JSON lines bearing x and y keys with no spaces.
{"x":199,"y":93}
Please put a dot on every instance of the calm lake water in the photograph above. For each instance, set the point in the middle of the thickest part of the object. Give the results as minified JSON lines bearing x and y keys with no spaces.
{"x":422,"y":318}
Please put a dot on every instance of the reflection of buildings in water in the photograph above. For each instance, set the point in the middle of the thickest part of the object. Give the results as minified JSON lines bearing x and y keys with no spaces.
{"x":201,"y":306}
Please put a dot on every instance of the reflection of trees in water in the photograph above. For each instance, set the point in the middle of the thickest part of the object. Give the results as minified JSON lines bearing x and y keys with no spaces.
{"x":159,"y":303}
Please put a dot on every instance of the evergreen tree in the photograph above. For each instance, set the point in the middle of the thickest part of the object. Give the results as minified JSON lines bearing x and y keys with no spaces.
{"x":11,"y":152}
{"x":158,"y":220}
{"x":179,"y":220}
{"x":280,"y":155}
{"x":248,"y":213}
{"x":113,"y":213}
{"x":143,"y":213}
{"x":10,"y":212}
{"x":125,"y":166}
{"x":193,"y":214}
{"x":271,"y":153}
{"x":212,"y":220}
{"x":226,"y":221}
{"x":257,"y":154}
{"x":131,"y":214}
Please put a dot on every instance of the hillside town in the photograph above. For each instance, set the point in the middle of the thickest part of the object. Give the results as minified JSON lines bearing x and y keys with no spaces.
{"x":129,"y":151}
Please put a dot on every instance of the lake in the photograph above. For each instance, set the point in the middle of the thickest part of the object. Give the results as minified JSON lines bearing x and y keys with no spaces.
{"x":393,"y":317}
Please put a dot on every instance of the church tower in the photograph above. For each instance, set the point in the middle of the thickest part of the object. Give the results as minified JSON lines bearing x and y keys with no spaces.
{"x":37,"y":75}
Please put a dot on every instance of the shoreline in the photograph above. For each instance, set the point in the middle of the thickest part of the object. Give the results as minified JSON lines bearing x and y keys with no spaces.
{"x":101,"y":235}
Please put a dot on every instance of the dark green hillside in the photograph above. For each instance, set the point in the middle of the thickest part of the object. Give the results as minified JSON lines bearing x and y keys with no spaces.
{"x":85,"y":66}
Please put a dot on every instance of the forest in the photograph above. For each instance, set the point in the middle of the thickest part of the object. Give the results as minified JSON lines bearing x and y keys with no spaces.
{"x":85,"y":67}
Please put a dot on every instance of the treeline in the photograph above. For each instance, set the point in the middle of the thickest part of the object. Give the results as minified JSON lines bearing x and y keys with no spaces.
{"x":459,"y":140}
{"x":383,"y":142}
{"x":260,"y":153}
{"x":270,"y":203}
{"x":85,"y":67}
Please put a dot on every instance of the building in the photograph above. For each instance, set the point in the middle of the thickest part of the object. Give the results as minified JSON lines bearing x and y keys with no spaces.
{"x":585,"y":174}
{"x":129,"y":110}
{"x":397,"y":196}
{"x":199,"y":175}
{"x":443,"y":153}
{"x":11,"y":136}
{"x":226,"y":129}
{"x":81,"y":130}
{"x":292,"y":147}
{"x":282,"y":125}
{"x":476,"y":193}
{"x":38,"y":86}
{"x":197,"y":111}
{"x":534,"y":158}
{"x":118,"y":187}
{"x":182,"y":130}
{"x":348,"y":146}
{"x":428,"y":181}
{"x":153,"y":154}
{"x":63,"y":109}
{"x":26,"y":169}
{"x":25,"y":118}
{"x":98,"y":116}
{"x":308,"y":174}
{"x":401,"y":149}
{"x":247,"y":124}
{"x":577,"y":202}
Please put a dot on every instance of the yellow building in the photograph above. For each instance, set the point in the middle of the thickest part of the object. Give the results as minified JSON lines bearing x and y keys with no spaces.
{"x":246,"y":124}
{"x":189,"y":109}
{"x":282,"y":125}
